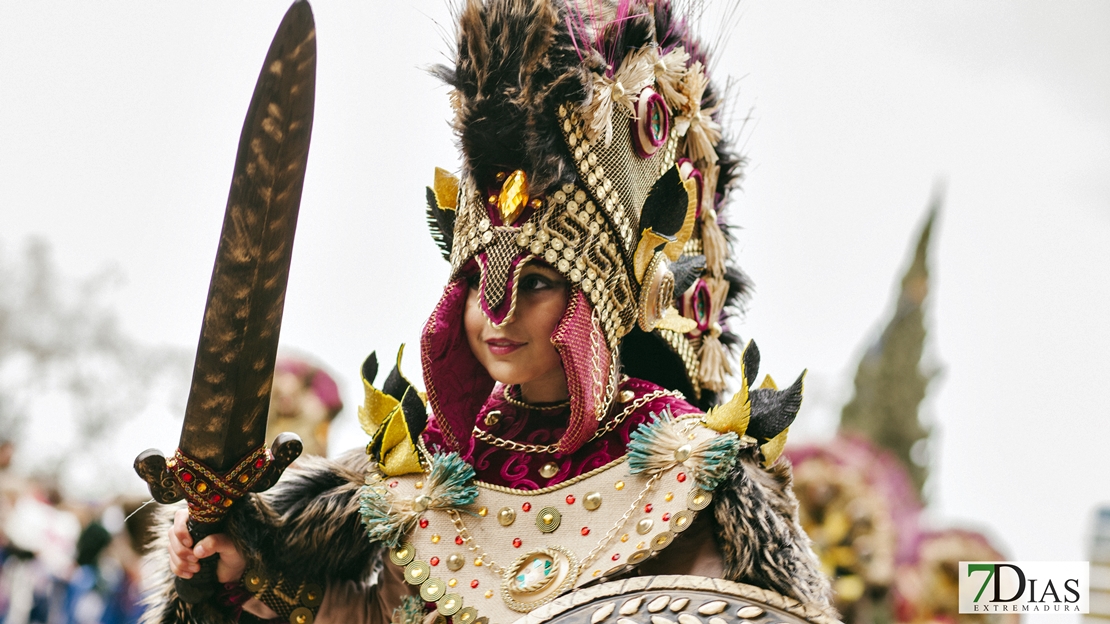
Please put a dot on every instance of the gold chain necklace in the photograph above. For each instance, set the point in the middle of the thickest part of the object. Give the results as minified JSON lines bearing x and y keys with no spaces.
{"x":512,"y":445}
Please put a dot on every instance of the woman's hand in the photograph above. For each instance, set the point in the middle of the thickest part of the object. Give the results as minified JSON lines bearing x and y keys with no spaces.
{"x":185,"y":558}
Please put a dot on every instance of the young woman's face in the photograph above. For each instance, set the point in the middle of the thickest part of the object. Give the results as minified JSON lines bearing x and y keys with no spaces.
{"x":520,"y":351}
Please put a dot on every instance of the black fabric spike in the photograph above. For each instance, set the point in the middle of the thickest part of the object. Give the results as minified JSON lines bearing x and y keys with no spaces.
{"x":751,"y":363}
{"x":686,"y":271}
{"x":665,"y":207}
{"x":370,"y":367}
{"x":416,"y":413}
{"x":774,"y":410}
{"x":441,"y":223}
{"x":395,"y":384}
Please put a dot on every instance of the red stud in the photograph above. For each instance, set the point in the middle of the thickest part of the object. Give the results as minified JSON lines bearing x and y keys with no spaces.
{"x":647,"y":508}
{"x":666,"y":517}
{"x":526,"y":506}
{"x":585,"y":530}
{"x":681,"y":477}
{"x":393,"y":484}
{"x":616,"y":556}
{"x":259,"y":463}
{"x":458,"y":540}
{"x":517,"y":542}
{"x":187,"y":477}
{"x":474,"y":584}
{"x":423,"y":523}
{"x":570,"y":499}
{"x":216,"y":498}
{"x":434,"y":561}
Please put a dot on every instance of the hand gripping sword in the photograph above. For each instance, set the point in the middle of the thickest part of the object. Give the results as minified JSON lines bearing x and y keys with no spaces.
{"x":221,"y":455}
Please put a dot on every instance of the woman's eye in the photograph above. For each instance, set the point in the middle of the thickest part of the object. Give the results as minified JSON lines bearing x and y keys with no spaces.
{"x":535,"y":282}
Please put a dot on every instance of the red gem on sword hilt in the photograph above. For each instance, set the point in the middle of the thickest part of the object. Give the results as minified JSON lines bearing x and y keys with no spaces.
{"x":210,"y":495}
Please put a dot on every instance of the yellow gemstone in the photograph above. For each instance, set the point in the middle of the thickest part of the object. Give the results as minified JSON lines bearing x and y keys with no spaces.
{"x":452,"y":582}
{"x":619,"y":485}
{"x":483,"y":511}
{"x":419,"y":485}
{"x":514,"y":196}
{"x":624,"y":538}
{"x":640,"y":546}
{"x":669,"y":497}
{"x":244,"y":478}
{"x":478,"y":561}
{"x":597,"y":572}
{"x":489,"y":593}
{"x":435,"y":538}
{"x":202,"y":487}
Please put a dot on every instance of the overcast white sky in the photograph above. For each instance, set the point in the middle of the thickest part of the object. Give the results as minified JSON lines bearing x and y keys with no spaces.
{"x":121,"y":121}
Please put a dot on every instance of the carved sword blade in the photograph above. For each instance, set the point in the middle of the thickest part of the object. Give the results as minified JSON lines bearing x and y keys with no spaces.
{"x":221,"y":453}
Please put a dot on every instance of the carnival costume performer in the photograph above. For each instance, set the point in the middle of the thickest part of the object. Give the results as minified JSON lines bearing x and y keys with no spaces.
{"x":570,"y":431}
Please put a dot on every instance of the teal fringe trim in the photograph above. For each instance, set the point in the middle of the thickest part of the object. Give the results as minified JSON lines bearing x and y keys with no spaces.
{"x":382,"y":524}
{"x":411,"y":611}
{"x":652,"y":446}
{"x":450,"y":482}
{"x":649,"y":441}
{"x":388,"y":519}
{"x":716,"y":460}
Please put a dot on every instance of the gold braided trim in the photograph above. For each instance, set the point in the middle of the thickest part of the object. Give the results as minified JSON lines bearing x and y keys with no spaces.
{"x":552,"y":488}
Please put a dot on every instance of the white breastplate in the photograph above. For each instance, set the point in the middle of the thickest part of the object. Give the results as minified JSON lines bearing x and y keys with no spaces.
{"x":514,"y":550}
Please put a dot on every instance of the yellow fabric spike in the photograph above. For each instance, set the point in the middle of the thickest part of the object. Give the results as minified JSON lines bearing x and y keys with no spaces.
{"x":401,"y":456}
{"x":772,"y":449}
{"x":446,"y":189}
{"x":674,"y":250}
{"x":645,"y":251}
{"x":376,"y":407}
{"x":675,"y":322}
{"x":768,"y":383}
{"x":736,"y":414}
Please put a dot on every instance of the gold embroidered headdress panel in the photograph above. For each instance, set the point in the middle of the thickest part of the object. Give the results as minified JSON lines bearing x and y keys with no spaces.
{"x":590,"y":142}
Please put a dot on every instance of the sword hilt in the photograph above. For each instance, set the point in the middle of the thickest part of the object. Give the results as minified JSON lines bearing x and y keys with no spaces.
{"x":168,"y":484}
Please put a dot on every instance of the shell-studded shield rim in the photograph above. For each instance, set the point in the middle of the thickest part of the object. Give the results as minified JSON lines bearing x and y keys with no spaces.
{"x":587,"y":604}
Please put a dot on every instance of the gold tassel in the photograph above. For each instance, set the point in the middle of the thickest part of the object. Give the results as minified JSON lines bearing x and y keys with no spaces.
{"x":714,"y":366}
{"x":670,"y":70}
{"x":697,"y":125}
{"x":713,"y":244}
{"x":623,"y":89}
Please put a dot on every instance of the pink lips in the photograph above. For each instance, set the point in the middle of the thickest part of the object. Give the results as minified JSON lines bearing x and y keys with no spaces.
{"x":502,"y":346}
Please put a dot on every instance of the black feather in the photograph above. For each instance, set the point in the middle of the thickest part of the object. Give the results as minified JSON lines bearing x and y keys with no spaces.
{"x":415,"y":412}
{"x":774,"y":410}
{"x":441,"y":223}
{"x":686,"y":271}
{"x":665,"y":207}
{"x":751,"y":363}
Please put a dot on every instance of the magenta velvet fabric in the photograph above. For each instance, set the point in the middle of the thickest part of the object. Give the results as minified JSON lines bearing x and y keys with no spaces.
{"x":521,"y":470}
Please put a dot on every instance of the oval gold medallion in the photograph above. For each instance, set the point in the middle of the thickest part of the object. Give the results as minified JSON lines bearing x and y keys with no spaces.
{"x":450,"y":604}
{"x":432,"y":590}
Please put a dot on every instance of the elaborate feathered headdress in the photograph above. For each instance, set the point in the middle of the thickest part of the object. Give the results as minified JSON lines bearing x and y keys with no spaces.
{"x":591,"y":142}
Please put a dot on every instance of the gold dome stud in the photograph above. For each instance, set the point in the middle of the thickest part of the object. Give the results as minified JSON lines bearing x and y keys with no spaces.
{"x":455,"y":562}
{"x":644,"y":526}
{"x":592,"y":500}
{"x":682,"y":453}
{"x":506,"y":516}
{"x":549,"y":470}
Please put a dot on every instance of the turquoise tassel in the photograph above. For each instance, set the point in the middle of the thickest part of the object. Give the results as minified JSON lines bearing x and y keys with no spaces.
{"x":652,"y":446}
{"x":388,"y":520}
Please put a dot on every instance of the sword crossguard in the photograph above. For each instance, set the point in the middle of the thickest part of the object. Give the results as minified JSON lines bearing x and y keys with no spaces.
{"x":152,"y":468}
{"x":285,"y":448}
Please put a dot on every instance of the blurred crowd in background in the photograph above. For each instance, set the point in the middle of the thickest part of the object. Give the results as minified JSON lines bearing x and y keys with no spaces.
{"x":76,"y":562}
